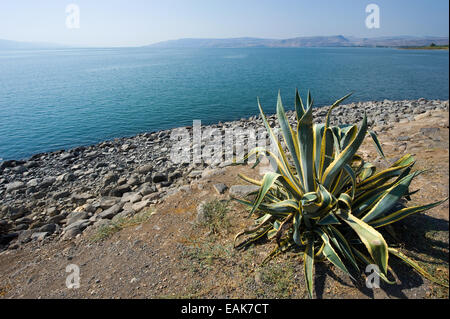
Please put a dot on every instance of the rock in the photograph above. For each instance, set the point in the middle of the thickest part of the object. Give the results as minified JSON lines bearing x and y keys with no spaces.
{"x":208,"y":173}
{"x":14,"y":186}
{"x":81,"y":198}
{"x":36,"y":224}
{"x":33,"y":182}
{"x":133,"y":180}
{"x":151,"y":197}
{"x":66,"y":177}
{"x":102,"y":223}
{"x":88,"y":208}
{"x":23,"y":220}
{"x":427,"y":131}
{"x":195,"y":174}
{"x":56,"y":219}
{"x":120,"y":190}
{"x":61,"y":194}
{"x":75,"y":216}
{"x":79,"y":224}
{"x":10,"y":164}
{"x":20,"y":227}
{"x":25,"y":236}
{"x":71,"y":232}
{"x":146,"y":189}
{"x":175,"y":175}
{"x":49,"y":228}
{"x":137,"y":207}
{"x":121,"y":215}
{"x":100,"y":165}
{"x":109,"y":179}
{"x":423,"y":115}
{"x":131,"y":197}
{"x":111,"y":212}
{"x":65,"y":156}
{"x":108,"y":202}
{"x":52,"y":211}
{"x":166,"y":183}
{"x":17,"y":212}
{"x":144,"y":169}
{"x":122,"y":180}
{"x":220,"y":188}
{"x":91,"y":154}
{"x":47,"y":182}
{"x":403,"y":138}
{"x":242,"y":190}
{"x":4,"y":226}
{"x":159,"y":177}
{"x":7,"y":238}
{"x":148,"y":178}
{"x":128,"y":207}
{"x":19,"y":169}
{"x":39,"y":236}
{"x":31,"y":164}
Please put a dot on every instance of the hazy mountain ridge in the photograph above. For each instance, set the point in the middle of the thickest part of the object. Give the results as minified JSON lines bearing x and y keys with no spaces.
{"x":316,"y":41}
{"x":248,"y":42}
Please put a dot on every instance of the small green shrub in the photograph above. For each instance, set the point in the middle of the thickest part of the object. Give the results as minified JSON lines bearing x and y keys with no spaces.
{"x":216,"y":217}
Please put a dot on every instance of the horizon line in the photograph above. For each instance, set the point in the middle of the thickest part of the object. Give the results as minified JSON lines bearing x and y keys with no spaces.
{"x":213,"y":38}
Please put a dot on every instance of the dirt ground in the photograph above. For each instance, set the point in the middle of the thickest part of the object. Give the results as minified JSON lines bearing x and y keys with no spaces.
{"x":170,"y":256}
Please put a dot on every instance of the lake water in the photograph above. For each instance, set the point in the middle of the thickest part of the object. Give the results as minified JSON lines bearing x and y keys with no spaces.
{"x":57,"y":99}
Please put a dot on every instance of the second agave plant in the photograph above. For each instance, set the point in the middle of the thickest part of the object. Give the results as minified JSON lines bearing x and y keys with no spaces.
{"x":325,"y":199}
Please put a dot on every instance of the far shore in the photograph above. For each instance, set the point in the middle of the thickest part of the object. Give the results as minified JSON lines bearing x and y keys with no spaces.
{"x":428,"y":47}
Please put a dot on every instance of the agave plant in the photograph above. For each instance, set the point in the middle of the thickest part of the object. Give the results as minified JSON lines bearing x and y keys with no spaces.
{"x":324,"y":199}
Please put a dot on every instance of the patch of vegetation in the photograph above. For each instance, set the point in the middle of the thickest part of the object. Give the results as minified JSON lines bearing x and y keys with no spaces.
{"x":202,"y":255}
{"x":117,"y":225}
{"x":325,"y":200}
{"x":277,"y":280}
{"x":216,"y":217}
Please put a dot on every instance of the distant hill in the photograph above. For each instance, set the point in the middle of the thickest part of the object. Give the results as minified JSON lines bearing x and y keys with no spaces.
{"x":16,"y":45}
{"x":317,"y":41}
{"x":246,"y":42}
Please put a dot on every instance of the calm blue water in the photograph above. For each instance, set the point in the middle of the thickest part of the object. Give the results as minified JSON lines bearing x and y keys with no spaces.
{"x":57,"y":99}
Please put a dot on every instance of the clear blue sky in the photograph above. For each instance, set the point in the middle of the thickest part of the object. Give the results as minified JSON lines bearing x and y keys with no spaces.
{"x":140,"y":22}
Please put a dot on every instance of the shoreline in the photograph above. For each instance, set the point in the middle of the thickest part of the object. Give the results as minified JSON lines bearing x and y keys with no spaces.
{"x":59,"y":194}
{"x":19,"y":161}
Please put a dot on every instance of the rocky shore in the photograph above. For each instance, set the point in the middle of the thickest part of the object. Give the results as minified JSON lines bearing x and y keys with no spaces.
{"x":58,"y":195}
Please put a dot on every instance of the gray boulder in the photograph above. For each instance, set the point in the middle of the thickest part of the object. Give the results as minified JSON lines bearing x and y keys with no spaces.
{"x":39,"y":236}
{"x":111,"y":212}
{"x":75,"y":216}
{"x":242,"y":190}
{"x":14,"y":186}
{"x":220,"y":188}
